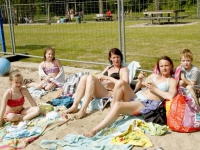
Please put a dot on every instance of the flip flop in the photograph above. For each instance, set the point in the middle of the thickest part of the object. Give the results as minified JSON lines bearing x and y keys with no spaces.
{"x":26,"y":81}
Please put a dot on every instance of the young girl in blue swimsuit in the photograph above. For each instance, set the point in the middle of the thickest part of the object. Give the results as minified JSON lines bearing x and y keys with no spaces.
{"x":50,"y":71}
{"x":13,"y":100}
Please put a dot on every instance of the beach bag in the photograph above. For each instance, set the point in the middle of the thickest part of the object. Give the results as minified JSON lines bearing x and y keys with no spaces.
{"x":157,"y":116}
{"x":183,"y":115}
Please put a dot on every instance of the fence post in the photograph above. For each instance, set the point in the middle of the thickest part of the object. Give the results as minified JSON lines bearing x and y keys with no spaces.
{"x":119,"y":24}
{"x":123,"y":31}
{"x":10,"y":21}
{"x":2,"y":34}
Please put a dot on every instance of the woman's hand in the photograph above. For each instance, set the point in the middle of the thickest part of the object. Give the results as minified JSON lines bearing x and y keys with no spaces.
{"x":150,"y":85}
{"x":142,"y":75}
{"x":102,"y":77}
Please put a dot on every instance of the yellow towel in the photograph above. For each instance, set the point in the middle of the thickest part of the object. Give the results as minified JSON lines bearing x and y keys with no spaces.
{"x":134,"y":137}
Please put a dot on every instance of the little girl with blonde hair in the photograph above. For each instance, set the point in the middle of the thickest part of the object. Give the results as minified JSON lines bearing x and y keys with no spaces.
{"x":12,"y":104}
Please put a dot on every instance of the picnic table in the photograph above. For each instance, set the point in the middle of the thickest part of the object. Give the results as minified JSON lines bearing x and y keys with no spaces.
{"x":102,"y":17}
{"x":159,"y":15}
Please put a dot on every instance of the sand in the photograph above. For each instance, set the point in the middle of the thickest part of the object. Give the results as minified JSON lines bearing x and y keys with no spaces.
{"x":171,"y":141}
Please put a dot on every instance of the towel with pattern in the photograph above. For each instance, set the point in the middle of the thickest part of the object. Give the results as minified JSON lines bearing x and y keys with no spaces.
{"x":13,"y":139}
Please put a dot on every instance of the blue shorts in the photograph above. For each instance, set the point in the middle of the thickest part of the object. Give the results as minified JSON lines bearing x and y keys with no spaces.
{"x":148,"y":104}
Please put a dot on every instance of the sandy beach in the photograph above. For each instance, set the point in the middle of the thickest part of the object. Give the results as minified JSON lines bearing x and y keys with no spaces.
{"x":171,"y":141}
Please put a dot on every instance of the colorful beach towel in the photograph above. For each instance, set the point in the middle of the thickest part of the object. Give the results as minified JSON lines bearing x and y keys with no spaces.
{"x":101,"y":141}
{"x":20,"y":138}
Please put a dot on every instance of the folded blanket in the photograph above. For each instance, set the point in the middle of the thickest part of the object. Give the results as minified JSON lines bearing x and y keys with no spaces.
{"x":59,"y":80}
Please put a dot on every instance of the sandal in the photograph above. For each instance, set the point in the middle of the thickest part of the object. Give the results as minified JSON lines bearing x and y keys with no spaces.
{"x":26,"y":81}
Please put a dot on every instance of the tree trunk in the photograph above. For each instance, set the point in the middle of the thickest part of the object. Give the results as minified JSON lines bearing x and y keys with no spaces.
{"x":100,"y":6}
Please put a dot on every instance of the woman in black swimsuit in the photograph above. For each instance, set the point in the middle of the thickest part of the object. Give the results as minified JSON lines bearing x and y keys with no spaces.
{"x":91,"y":87}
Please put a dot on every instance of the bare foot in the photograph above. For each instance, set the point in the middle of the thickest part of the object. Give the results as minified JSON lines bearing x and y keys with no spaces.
{"x":90,"y":133}
{"x":80,"y":115}
{"x":71,"y":110}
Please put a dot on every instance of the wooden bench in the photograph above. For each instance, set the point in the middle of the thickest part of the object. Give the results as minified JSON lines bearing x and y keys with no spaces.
{"x":182,"y":17}
{"x":156,"y":18}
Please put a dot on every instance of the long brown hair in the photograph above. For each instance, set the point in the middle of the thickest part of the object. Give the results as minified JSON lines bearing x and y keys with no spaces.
{"x":49,"y":49}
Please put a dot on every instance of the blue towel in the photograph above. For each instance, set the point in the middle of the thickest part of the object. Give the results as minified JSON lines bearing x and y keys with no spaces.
{"x":63,"y":100}
{"x":101,"y":141}
{"x":18,"y":133}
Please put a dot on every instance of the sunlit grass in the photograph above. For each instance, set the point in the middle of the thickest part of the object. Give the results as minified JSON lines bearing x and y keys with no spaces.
{"x":91,"y":41}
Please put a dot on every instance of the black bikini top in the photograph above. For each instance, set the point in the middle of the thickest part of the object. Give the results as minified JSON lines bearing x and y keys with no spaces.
{"x":113,"y":75}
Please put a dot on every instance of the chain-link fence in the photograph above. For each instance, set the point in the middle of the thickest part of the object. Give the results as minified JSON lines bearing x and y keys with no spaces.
{"x":81,"y":30}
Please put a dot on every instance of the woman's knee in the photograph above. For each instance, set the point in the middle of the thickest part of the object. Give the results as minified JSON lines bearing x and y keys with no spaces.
{"x":117,"y":107}
{"x":84,"y":78}
{"x":90,"y":79}
{"x":120,"y":83}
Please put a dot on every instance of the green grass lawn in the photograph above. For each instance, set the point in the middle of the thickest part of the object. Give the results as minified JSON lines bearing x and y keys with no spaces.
{"x":91,"y":41}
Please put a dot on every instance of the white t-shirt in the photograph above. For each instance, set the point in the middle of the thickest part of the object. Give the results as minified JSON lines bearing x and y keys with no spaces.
{"x":193,"y":74}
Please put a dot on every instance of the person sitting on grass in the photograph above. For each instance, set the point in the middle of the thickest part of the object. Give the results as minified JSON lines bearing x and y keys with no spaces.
{"x":12,"y":104}
{"x":91,"y":87}
{"x":157,"y":88}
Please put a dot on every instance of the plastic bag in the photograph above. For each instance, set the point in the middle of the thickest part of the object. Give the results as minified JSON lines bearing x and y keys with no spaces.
{"x":183,"y":115}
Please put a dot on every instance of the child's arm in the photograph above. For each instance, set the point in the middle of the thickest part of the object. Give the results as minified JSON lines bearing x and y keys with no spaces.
{"x":186,"y":81}
{"x":42,"y":74}
{"x":3,"y":106}
{"x":29,"y":97}
{"x":58,"y":64}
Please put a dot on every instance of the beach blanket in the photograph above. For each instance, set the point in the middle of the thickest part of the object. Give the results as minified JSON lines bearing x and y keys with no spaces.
{"x":71,"y":83}
{"x":37,"y":94}
{"x":101,"y":141}
{"x":13,"y":138}
{"x":59,"y":80}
